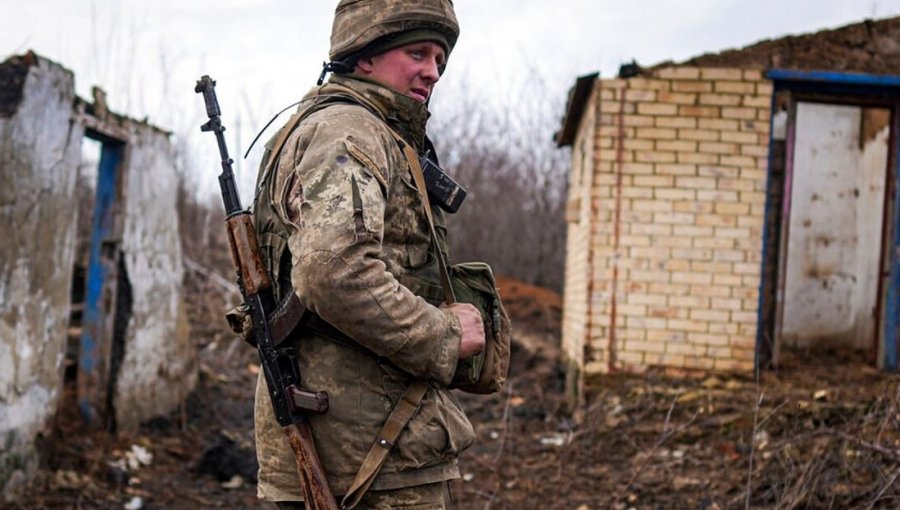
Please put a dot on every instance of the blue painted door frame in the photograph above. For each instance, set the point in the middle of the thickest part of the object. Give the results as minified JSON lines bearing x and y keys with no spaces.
{"x":863,"y":90}
{"x":100,"y":288}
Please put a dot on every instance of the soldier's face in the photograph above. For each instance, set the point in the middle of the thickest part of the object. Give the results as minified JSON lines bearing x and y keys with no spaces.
{"x":411,"y":70}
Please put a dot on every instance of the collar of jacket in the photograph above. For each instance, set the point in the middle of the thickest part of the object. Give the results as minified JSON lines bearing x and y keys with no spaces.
{"x":404,"y":114}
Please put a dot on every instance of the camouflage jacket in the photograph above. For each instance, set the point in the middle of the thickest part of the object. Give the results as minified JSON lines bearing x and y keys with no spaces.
{"x":341,"y":203}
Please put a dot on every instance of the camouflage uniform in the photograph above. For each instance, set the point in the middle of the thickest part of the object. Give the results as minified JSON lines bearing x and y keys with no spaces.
{"x":341,"y":214}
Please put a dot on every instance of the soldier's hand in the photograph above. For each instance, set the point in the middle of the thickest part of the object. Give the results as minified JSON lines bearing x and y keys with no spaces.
{"x":472,"y":329}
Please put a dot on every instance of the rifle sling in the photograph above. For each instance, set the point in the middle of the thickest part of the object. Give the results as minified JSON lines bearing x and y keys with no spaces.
{"x":409,"y":403}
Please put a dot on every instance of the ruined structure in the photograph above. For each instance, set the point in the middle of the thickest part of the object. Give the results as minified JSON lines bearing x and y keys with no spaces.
{"x":729,"y":206}
{"x":105,"y":329}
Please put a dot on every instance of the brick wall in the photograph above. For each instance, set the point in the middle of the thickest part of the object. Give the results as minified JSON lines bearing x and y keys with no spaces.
{"x":676,"y":215}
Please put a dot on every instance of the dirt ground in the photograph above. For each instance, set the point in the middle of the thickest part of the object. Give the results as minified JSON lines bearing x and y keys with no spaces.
{"x":824,"y":432}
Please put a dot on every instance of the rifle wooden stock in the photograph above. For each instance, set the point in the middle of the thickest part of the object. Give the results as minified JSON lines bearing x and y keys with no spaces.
{"x":290,"y":402}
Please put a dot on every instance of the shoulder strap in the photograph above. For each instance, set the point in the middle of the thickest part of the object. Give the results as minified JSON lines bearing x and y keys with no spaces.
{"x":409,"y":404}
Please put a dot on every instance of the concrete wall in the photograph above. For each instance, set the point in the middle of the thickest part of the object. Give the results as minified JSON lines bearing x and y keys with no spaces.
{"x":679,"y":195}
{"x":39,"y":156}
{"x":159,"y":366}
{"x":834,"y":245}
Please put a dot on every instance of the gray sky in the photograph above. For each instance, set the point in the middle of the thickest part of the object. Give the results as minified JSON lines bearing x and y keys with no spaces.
{"x":266,"y":53}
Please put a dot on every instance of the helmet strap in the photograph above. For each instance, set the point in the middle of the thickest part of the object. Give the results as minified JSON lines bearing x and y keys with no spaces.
{"x":336,"y":66}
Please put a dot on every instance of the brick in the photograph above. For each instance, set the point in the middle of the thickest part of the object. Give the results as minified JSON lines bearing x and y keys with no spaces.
{"x":676,"y":265}
{"x":710,"y":291}
{"x":659,"y":181}
{"x":677,"y":98}
{"x":678,"y":73}
{"x":657,"y":109}
{"x":650,"y":229}
{"x":638,"y":95}
{"x":695,"y":182}
{"x":764,"y":89}
{"x":668,"y":289}
{"x":663,"y":335}
{"x":674,"y":242}
{"x":689,"y":301}
{"x":728,"y":280}
{"x":632,"y":192}
{"x":676,"y":145}
{"x":753,"y":75}
{"x":719,"y":353}
{"x":727,"y":304}
{"x":743,"y":317}
{"x":613,"y":108}
{"x":691,"y":278}
{"x":721,"y":73}
{"x":645,"y":347}
{"x":739,"y":112}
{"x":739,"y":137}
{"x":697,"y":158}
{"x":652,"y":205}
{"x":720,"y":100}
{"x":613,"y":83}
{"x":648,"y":84}
{"x":718,"y":124}
{"x":654,"y":157}
{"x":738,"y":161}
{"x":719,"y":171}
{"x":637,"y":169}
{"x":666,"y":313}
{"x":692,"y":231}
{"x":638,"y":121}
{"x":753,"y":101}
{"x":754,"y":150}
{"x":636,"y":144}
{"x":704,"y":111}
{"x":657,"y":133}
{"x":736,"y":184}
{"x":693,"y":207}
{"x":709,"y":316}
{"x":692,"y":86}
{"x":688,"y":349}
{"x":674,"y":194}
{"x":728,"y":255}
{"x":687,"y":325}
{"x":676,"y":122}
{"x":676,"y":169}
{"x":735,"y":87}
{"x":674,"y":218}
{"x":650,"y":276}
{"x":736,"y":209}
{"x":716,"y":220}
{"x":719,"y":148}
{"x":698,"y":134}
{"x":647,"y":299}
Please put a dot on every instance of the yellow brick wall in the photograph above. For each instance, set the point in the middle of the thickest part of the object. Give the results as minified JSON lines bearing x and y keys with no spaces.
{"x":678,"y":195}
{"x":576,"y":282}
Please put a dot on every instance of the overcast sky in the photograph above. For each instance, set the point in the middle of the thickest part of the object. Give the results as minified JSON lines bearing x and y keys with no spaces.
{"x":266,"y":53}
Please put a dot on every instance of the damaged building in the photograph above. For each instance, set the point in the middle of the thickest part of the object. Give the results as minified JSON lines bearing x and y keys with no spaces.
{"x":727,"y":208}
{"x":91,"y":308}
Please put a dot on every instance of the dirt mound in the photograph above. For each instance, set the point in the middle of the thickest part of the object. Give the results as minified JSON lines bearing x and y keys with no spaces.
{"x":872,"y":46}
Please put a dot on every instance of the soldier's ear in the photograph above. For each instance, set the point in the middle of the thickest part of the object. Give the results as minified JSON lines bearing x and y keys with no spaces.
{"x":365,"y":65}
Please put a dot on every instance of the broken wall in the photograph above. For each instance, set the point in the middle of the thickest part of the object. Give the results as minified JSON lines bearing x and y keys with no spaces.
{"x":40,"y":150}
{"x":42,"y":126}
{"x":159,"y":364}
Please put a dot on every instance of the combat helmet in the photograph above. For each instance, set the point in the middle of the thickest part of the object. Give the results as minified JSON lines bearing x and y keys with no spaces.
{"x":361,"y":25}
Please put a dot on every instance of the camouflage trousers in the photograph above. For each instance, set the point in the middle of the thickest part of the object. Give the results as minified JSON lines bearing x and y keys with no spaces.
{"x":422,"y":497}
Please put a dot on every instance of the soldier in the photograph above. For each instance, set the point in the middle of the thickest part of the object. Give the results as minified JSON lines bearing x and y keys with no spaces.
{"x":340,"y":221}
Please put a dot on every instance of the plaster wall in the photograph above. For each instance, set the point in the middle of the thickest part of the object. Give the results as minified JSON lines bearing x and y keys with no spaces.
{"x":39,"y":157}
{"x":834,"y":245}
{"x":159,"y":366}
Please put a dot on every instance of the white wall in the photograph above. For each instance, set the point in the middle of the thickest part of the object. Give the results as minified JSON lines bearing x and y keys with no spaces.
{"x":837,"y":203}
{"x":40,"y":150}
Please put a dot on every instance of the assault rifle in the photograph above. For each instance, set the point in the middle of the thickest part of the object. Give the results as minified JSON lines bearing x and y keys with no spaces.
{"x":290,"y":401}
